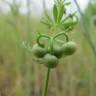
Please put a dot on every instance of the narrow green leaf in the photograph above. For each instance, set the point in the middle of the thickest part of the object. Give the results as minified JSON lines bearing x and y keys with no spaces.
{"x":61,"y":12}
{"x":58,"y":1}
{"x":46,"y":23}
{"x":67,"y":3}
{"x":65,"y":19}
{"x":48,"y":17}
{"x":68,"y":25}
{"x":55,"y":12}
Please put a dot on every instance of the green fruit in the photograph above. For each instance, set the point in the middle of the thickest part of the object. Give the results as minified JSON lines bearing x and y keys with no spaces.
{"x":57,"y":51}
{"x":50,"y":61}
{"x":39,"y":51}
{"x":69,"y":48}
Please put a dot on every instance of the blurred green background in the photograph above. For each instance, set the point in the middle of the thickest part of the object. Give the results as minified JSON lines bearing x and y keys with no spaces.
{"x":20,"y":75}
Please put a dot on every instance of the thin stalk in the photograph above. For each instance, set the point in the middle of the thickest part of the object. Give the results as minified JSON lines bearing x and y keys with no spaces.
{"x":45,"y":90}
{"x":71,"y":81}
{"x":86,"y":29}
{"x":61,"y":33}
{"x":92,"y":45}
{"x":20,"y":55}
{"x":28,"y":65}
{"x":29,"y":35}
{"x":42,"y":36}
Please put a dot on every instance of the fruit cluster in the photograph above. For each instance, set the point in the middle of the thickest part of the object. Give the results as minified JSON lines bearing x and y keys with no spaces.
{"x":51,"y":56}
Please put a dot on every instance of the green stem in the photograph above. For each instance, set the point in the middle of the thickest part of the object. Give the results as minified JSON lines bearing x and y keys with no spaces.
{"x":61,"y":33}
{"x":45,"y":90}
{"x":41,"y":36}
{"x":86,"y":29}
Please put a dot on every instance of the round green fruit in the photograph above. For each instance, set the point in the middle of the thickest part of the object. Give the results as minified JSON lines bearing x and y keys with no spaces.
{"x":39,"y":51}
{"x":50,"y":61}
{"x":57,"y":51}
{"x":69,"y":48}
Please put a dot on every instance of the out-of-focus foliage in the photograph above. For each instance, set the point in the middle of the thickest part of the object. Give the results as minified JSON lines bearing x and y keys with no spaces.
{"x":91,"y":9}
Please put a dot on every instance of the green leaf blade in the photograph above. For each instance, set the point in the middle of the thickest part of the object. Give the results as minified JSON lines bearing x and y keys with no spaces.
{"x":61,"y":12}
{"x":55,"y":12}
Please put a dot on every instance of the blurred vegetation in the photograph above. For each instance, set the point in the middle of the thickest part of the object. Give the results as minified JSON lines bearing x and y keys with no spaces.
{"x":20,"y":75}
